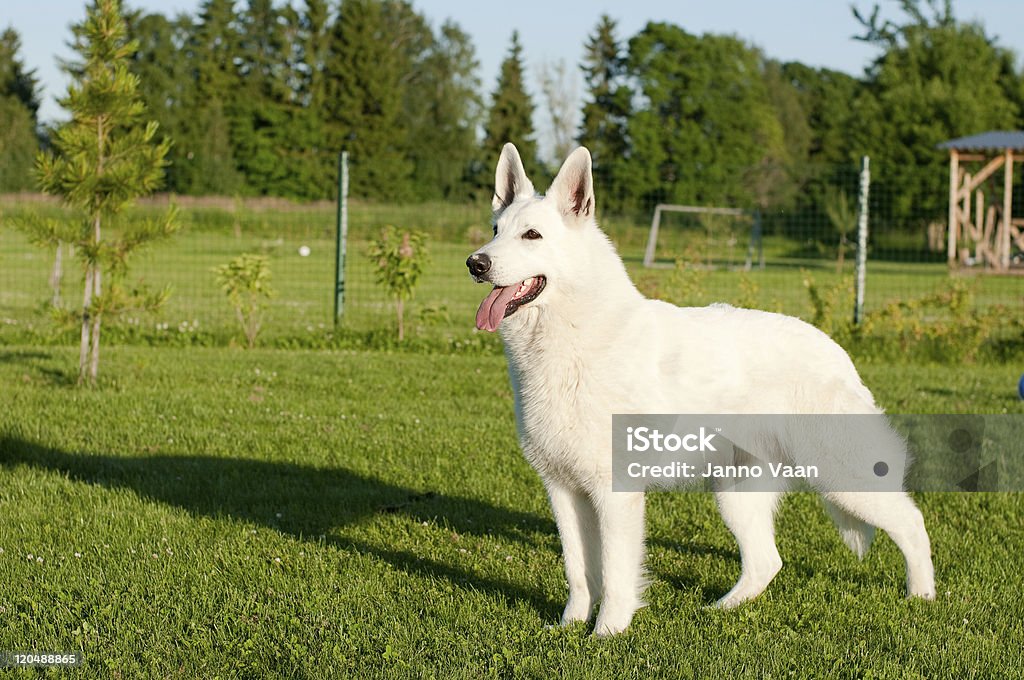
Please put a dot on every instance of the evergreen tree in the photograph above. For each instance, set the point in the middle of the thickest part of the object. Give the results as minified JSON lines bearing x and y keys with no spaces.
{"x":510,"y":117}
{"x":607,"y":109}
{"x":166,"y":84}
{"x":15,"y":80}
{"x":363,"y":74}
{"x":19,"y":103}
{"x":314,"y":161}
{"x":262,"y":116}
{"x":208,"y":163}
{"x":106,"y":157}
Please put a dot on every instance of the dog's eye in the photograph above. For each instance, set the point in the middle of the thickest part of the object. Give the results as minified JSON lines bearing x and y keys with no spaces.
{"x":495,"y":229}
{"x":532,"y":235}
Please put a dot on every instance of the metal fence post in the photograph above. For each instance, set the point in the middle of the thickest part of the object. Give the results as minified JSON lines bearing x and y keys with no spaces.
{"x":862,"y":237}
{"x":341,"y":237}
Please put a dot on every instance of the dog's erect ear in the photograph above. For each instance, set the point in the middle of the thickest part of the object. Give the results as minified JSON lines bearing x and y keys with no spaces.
{"x":510,"y":180}
{"x":573,"y":188}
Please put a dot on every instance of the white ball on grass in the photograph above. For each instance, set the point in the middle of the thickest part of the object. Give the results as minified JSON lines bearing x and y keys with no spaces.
{"x":304,"y":251}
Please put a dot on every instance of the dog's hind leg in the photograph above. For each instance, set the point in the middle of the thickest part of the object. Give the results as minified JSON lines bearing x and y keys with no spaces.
{"x":621,"y":518}
{"x":750,"y":515}
{"x":895,"y":514}
{"x":581,"y":549}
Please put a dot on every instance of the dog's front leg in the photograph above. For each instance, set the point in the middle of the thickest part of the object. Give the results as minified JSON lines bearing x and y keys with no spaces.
{"x":621,"y":518}
{"x":581,"y":549}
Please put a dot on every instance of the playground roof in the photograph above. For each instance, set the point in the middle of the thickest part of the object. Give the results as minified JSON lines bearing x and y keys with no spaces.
{"x":988,"y":141}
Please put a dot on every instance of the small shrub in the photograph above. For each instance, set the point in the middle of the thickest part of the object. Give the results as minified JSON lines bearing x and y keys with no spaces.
{"x":246,"y":282}
{"x":400,"y":257}
{"x":831,"y":308}
{"x":749,"y":292}
{"x":843,"y":216}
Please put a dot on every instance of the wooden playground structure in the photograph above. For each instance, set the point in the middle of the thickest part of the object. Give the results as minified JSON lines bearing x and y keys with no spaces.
{"x":982,"y":229}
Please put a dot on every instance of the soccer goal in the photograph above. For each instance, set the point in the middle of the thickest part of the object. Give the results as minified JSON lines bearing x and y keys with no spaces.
{"x":715,"y":233}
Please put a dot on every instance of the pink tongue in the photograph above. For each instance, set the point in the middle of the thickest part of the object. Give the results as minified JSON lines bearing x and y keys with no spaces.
{"x":492,"y":309}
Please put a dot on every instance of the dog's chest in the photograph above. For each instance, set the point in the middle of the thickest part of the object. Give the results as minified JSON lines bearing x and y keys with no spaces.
{"x":563,"y":414}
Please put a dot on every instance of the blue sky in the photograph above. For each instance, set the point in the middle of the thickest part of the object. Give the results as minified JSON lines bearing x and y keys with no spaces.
{"x":816,"y":32}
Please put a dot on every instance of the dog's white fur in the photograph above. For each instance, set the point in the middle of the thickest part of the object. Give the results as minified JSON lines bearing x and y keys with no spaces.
{"x":592,"y":345}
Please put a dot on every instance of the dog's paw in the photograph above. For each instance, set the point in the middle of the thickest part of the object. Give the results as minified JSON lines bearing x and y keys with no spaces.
{"x":924,"y":594}
{"x":606,"y":631}
{"x":729,"y":602}
{"x":576,"y":611}
{"x":611,"y":622}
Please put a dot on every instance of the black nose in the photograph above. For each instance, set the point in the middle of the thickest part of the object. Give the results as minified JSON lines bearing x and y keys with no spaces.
{"x":479,"y":264}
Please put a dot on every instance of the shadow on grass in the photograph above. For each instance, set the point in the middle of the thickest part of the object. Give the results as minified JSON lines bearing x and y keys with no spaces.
{"x":308,"y":503}
{"x":17,"y":356}
{"x":40,"y":362}
{"x":319,"y":503}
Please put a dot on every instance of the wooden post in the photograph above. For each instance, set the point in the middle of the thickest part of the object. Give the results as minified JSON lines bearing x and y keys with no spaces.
{"x":979,"y":224}
{"x":1004,"y":246}
{"x":967,"y":232}
{"x":954,"y":175}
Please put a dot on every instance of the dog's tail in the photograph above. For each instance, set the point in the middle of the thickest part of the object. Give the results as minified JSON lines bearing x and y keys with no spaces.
{"x":856,"y":533}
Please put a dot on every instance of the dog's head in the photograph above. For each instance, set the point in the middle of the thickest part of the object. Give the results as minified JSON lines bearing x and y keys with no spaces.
{"x":536,"y":238}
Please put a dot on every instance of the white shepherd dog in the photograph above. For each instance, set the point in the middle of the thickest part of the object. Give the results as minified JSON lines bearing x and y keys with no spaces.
{"x":582,"y":344}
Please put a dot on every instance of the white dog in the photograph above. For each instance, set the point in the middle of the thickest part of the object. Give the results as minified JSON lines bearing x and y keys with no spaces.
{"x":582,"y":344}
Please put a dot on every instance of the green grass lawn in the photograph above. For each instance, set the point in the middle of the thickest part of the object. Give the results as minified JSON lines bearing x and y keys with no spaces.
{"x":220,"y":513}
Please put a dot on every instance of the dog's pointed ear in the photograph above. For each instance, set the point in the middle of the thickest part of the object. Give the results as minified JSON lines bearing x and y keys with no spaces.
{"x":573,"y":188}
{"x":510,"y":180}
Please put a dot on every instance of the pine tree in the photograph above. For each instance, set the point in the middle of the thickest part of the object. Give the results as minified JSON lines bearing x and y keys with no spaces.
{"x":261,"y":115}
{"x":607,"y":110}
{"x":106,"y":157}
{"x":15,"y":80}
{"x":166,"y":85}
{"x":19,"y":102}
{"x":314,"y":164}
{"x":510,"y":118}
{"x":363,"y":72}
{"x":207,"y":147}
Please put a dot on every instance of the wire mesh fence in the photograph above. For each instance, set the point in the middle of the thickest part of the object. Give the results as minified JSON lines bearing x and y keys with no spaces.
{"x":700,"y":257}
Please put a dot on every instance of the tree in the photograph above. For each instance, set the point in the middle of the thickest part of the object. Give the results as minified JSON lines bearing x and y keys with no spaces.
{"x":441,"y":112}
{"x":704,"y":122}
{"x":779,"y":179}
{"x":937,"y":78}
{"x":18,"y":145}
{"x":313,"y":163}
{"x":262,"y":116}
{"x":167,"y":86}
{"x":607,"y":107}
{"x":15,"y":80}
{"x":558,"y":85}
{"x":19,"y":103}
{"x":206,"y":158}
{"x":510,"y":118}
{"x":363,"y":73}
{"x":106,"y":157}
